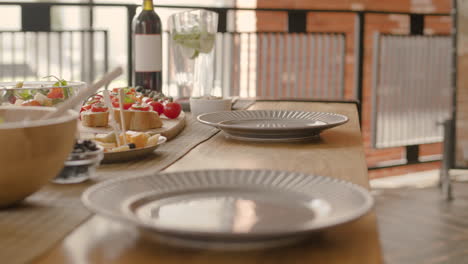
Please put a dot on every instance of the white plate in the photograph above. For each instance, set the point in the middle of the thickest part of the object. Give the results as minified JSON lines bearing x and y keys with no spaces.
{"x":132,"y":154}
{"x":247,"y":208}
{"x":272,"y":124}
{"x":259,"y":139}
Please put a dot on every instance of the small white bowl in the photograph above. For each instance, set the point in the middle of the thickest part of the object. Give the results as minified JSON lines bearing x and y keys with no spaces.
{"x":80,"y":167}
{"x":200,"y":106}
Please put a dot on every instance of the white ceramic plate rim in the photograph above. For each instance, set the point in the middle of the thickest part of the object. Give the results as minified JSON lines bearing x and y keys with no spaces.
{"x":362,"y":210}
{"x":271,"y":139}
{"x":259,"y":129}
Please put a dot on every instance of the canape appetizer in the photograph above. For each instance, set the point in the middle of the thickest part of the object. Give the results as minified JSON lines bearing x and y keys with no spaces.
{"x":141,"y":110}
{"x":97,"y":115}
{"x":139,"y":117}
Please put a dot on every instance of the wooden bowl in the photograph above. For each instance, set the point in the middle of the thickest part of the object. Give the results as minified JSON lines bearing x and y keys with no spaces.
{"x":32,"y":152}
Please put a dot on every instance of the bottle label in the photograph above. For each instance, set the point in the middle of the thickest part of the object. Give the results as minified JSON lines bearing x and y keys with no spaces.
{"x":148,"y":53}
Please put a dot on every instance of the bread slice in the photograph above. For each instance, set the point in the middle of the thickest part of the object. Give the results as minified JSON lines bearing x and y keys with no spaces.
{"x":90,"y":119}
{"x":107,"y":146}
{"x":139,"y":120}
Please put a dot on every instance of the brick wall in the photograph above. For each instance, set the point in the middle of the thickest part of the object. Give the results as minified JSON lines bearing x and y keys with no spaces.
{"x":338,"y":22}
{"x":462,"y":87}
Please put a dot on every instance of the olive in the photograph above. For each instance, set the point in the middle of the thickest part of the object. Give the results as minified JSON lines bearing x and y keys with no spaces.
{"x":139,"y":89}
{"x":131,"y":145}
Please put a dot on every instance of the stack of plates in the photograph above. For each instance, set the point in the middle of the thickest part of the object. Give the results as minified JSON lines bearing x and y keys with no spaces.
{"x":229,"y":209}
{"x":272,"y":125}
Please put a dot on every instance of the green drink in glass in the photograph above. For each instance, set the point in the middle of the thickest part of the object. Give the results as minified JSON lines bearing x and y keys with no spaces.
{"x":192,"y":36}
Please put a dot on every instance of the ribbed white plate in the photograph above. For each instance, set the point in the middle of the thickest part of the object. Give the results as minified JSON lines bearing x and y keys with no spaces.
{"x":272,"y":124}
{"x":247,"y":208}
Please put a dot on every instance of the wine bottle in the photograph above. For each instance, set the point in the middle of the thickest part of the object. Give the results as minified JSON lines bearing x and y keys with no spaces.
{"x":147,"y":49}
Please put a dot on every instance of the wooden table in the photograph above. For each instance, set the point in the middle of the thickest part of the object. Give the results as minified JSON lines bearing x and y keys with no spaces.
{"x":339,"y":153}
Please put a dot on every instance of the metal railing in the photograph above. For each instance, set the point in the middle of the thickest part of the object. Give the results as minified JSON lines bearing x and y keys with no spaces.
{"x":70,"y":54}
{"x":276,"y":65}
{"x":411,"y":89}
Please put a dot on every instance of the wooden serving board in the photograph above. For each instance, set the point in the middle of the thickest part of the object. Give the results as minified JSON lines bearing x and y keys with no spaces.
{"x":170,"y":129}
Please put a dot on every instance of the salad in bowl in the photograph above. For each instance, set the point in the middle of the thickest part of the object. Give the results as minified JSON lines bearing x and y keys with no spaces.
{"x":37,"y":93}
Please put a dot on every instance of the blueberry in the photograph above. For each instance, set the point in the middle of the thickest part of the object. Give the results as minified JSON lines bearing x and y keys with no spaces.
{"x":89,"y":145}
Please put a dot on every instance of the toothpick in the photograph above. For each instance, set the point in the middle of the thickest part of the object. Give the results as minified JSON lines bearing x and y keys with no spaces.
{"x":112,"y":121}
{"x":122,"y":116}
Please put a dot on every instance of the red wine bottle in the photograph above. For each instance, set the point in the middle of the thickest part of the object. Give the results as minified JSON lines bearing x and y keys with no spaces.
{"x":147,"y":49}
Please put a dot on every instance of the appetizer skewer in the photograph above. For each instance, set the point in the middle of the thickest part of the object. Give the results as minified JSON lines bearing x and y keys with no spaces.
{"x":112,"y":121}
{"x":122,"y":116}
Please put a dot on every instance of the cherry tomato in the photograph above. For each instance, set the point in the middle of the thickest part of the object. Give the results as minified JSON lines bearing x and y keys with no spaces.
{"x":140,"y":107}
{"x":31,"y":102}
{"x":98,"y":108}
{"x":85,"y":108}
{"x":55,"y":93}
{"x":126,"y":106}
{"x":88,"y":106}
{"x":147,"y":100}
{"x":130,"y":91}
{"x":172,"y":110}
{"x":157,"y":107}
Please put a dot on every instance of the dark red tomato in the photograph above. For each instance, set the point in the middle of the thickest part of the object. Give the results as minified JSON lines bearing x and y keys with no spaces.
{"x":97,"y":108}
{"x":140,"y":107}
{"x":157,"y":107}
{"x":172,"y":110}
{"x":55,"y":93}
